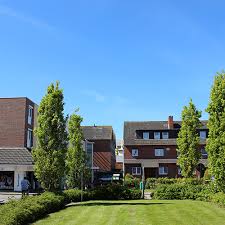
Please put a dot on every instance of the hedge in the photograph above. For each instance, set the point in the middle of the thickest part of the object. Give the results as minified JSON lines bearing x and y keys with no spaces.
{"x":152,"y":183}
{"x":30,"y":209}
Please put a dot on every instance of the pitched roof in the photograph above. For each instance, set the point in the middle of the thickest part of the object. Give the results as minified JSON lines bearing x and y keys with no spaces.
{"x":98,"y":132}
{"x":130,"y":129}
{"x":15,"y":156}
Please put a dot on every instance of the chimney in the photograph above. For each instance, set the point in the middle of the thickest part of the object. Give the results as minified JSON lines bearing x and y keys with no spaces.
{"x":170,"y":122}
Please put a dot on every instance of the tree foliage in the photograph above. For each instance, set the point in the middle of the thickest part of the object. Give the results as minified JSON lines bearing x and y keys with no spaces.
{"x":188,"y":140}
{"x":216,"y":124}
{"x":76,"y":157}
{"x":49,"y":155}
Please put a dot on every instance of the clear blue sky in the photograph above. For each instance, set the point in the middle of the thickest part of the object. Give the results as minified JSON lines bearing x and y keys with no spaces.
{"x":116,"y":60}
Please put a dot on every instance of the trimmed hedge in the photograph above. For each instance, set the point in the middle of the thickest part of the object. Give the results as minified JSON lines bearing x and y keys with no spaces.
{"x":152,"y":183}
{"x":107,"y":192}
{"x":115,"y":192}
{"x":30,"y":209}
{"x":183,"y":191}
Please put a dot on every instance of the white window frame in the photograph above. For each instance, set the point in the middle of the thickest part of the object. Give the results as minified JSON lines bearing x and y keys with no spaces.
{"x":134,"y":152}
{"x":165,"y":135}
{"x":164,"y":172}
{"x":157,"y":135}
{"x":159,"y":152}
{"x":203,"y":134}
{"x":30,"y":114}
{"x":147,"y":135}
{"x":136,"y":170}
{"x":29,"y":138}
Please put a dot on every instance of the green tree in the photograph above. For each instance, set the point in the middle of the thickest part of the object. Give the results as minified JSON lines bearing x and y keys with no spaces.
{"x":188,"y":140}
{"x":216,"y":124}
{"x":49,"y":155}
{"x":76,"y":162}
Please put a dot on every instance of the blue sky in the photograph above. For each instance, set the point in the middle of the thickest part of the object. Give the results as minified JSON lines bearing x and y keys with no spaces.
{"x":116,"y":60}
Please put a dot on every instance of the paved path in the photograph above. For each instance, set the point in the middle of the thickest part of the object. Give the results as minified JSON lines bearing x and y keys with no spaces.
{"x":6,"y":196}
{"x":148,"y":195}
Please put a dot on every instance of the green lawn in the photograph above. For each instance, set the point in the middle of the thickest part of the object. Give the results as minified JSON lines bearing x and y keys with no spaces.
{"x":146,"y":212}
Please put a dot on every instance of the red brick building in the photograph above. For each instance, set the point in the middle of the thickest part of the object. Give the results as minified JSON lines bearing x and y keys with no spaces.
{"x":151,"y":147}
{"x":103,"y":141}
{"x":17,"y":122}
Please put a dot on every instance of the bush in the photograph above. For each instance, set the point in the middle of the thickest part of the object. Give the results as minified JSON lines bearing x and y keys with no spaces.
{"x":131,"y":182}
{"x":30,"y":209}
{"x":152,"y":183}
{"x":115,"y":192}
{"x":218,"y":198}
{"x":74,"y":195}
{"x":181,"y":191}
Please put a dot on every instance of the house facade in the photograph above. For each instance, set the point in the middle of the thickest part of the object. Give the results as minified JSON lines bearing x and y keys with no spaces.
{"x":102,"y":141}
{"x":17,"y":122}
{"x":150,"y":148}
{"x":119,"y":156}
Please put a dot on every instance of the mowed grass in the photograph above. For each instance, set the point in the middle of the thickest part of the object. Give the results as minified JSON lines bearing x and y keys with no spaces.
{"x":146,"y":212}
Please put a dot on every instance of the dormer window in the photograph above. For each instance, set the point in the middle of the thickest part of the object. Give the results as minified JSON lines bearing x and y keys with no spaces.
{"x":145,"y":135}
{"x":157,"y":135}
{"x":202,"y":134}
{"x":165,"y":135}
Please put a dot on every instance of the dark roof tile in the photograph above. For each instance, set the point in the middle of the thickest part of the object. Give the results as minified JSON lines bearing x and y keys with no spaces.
{"x":97,"y":132}
{"x":15,"y":156}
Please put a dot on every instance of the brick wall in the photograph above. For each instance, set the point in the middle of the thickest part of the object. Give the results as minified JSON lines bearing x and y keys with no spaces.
{"x":148,"y":152}
{"x":13,"y":121}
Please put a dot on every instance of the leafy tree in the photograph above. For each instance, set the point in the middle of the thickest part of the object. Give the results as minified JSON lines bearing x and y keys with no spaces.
{"x":76,"y":157}
{"x":49,"y":155}
{"x":188,"y":140}
{"x":216,"y":124}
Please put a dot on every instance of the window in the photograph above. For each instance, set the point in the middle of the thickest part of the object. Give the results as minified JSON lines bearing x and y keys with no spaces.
{"x":203,"y":134}
{"x":136,"y":170}
{"x":159,"y":152}
{"x":146,"y":135}
{"x":89,"y":151}
{"x":29,"y":138}
{"x":30,"y":114}
{"x":157,"y":135}
{"x":163,"y":170}
{"x":165,"y":135}
{"x":134,"y":152}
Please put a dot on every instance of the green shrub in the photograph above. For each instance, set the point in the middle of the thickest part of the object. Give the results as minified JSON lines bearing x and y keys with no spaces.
{"x":152,"y":183}
{"x":131,"y":182}
{"x":218,"y":198}
{"x":181,"y":191}
{"x":115,"y":192}
{"x":30,"y":209}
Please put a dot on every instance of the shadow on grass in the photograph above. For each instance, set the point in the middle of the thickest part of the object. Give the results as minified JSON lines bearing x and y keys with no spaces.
{"x":116,"y":203}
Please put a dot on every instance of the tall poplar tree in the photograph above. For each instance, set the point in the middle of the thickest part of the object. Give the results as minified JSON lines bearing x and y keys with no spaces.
{"x":188,"y":140}
{"x":49,"y":155}
{"x":77,"y":171}
{"x":216,"y":124}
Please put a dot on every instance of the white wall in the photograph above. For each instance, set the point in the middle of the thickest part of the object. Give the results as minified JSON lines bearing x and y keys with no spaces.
{"x":18,"y":177}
